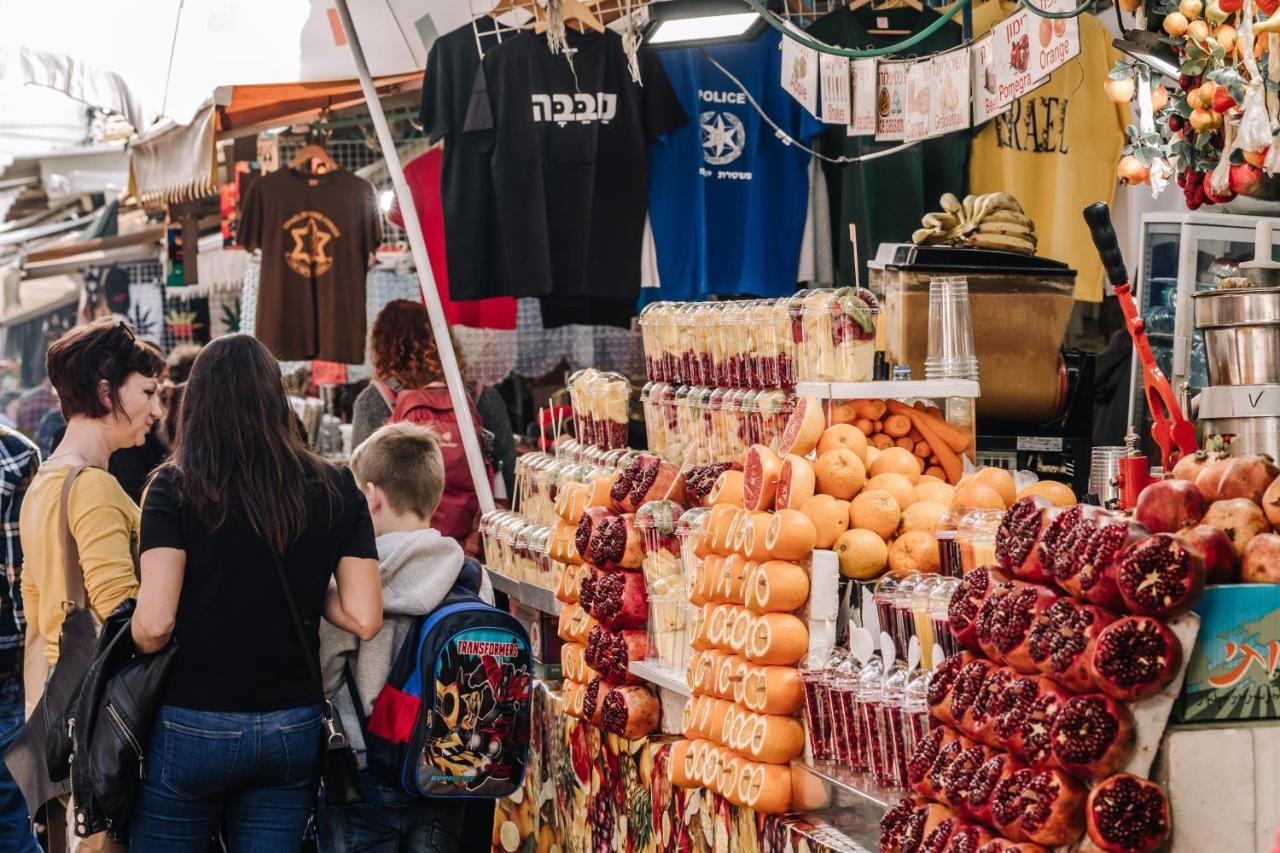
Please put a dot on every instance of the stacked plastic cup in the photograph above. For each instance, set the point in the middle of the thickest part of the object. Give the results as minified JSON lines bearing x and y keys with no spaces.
{"x":951,"y":353}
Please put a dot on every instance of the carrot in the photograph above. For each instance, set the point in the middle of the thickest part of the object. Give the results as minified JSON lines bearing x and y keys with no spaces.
{"x":905,"y":443}
{"x":923,"y":450}
{"x":933,"y":459}
{"x":877,"y":427}
{"x":946,"y":456}
{"x":954,"y":438}
{"x":935,"y":471}
{"x":864,"y":426}
{"x":897,"y":425}
{"x":881,"y":441}
{"x":915,"y":435}
{"x":872,"y":410}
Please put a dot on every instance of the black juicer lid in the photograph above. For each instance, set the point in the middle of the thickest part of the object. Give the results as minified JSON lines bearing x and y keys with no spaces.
{"x":953,"y":259}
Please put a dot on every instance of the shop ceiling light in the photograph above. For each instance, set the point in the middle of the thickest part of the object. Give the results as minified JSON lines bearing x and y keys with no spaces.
{"x":684,"y":23}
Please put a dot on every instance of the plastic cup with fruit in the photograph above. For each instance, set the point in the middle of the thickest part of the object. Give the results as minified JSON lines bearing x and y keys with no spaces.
{"x":657,"y":522}
{"x":893,"y":732}
{"x":916,"y":721}
{"x":865,"y":726}
{"x":815,"y":671}
{"x":667,"y":640}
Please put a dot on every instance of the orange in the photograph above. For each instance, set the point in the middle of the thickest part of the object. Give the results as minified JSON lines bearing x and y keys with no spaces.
{"x":863,"y":554}
{"x":877,"y":511}
{"x":791,"y":535}
{"x":1000,"y":480}
{"x":897,"y":460}
{"x":897,"y":485}
{"x":975,"y":495}
{"x":777,"y":587}
{"x":873,"y":453}
{"x":934,"y":490}
{"x":829,"y":515}
{"x":1058,"y":494}
{"x":600,"y":488}
{"x":751,"y":532}
{"x":777,"y":739}
{"x":795,"y":483}
{"x":723,"y":525}
{"x":922,"y":515}
{"x":916,"y":551}
{"x":840,"y":473}
{"x":846,"y":436}
{"x":765,"y":788}
{"x":777,"y":639}
{"x":772,"y":689}
{"x":727,"y":489}
{"x":679,"y":773}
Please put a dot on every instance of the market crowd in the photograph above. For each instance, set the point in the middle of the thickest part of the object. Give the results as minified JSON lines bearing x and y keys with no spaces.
{"x":246,"y":572}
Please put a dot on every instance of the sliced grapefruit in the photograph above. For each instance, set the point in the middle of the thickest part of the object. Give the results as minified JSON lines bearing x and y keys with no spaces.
{"x":804,"y":427}
{"x":740,"y":678}
{"x":572,"y":500}
{"x":679,"y":768}
{"x":791,"y":535}
{"x":733,"y":578}
{"x":743,"y":730}
{"x":777,"y":739}
{"x":760,"y":473}
{"x":772,"y":689}
{"x":719,"y":526}
{"x":740,"y":629}
{"x":796,"y":482}
{"x":730,"y":774}
{"x":724,"y":676}
{"x":728,"y":489}
{"x":751,"y":536}
{"x":718,"y":625}
{"x":778,"y":587}
{"x":691,"y":670}
{"x":708,"y":772}
{"x":765,"y":788}
{"x":777,"y":639}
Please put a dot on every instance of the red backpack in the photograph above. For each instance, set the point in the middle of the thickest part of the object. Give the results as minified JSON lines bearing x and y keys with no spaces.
{"x":432,"y":407}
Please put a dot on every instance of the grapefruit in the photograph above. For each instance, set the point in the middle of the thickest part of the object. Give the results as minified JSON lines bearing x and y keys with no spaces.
{"x":829,"y":515}
{"x":772,"y":689}
{"x":1000,"y":480}
{"x":728,"y":489}
{"x":733,"y":578}
{"x":846,"y":436}
{"x":796,"y":482}
{"x":765,"y":788}
{"x":791,"y":535}
{"x":873,"y":453}
{"x":804,"y":427}
{"x":777,"y":739}
{"x":897,"y":460}
{"x":722,"y":527}
{"x":863,"y":554}
{"x":922,"y":515}
{"x":778,"y":587}
{"x":679,"y":772}
{"x":877,"y":511}
{"x":760,"y":473}
{"x":751,"y":536}
{"x":897,"y":485}
{"x":840,"y":473}
{"x":934,"y":490}
{"x":916,"y":551}
{"x":777,"y":639}
{"x":1058,"y":494}
{"x":975,"y":495}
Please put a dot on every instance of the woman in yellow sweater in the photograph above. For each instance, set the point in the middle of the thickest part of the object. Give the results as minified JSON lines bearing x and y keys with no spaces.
{"x":107,"y":382}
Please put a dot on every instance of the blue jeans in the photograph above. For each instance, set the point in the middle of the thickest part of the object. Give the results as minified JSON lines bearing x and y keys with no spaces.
{"x":389,"y":821}
{"x":15,"y":821}
{"x":254,"y":774}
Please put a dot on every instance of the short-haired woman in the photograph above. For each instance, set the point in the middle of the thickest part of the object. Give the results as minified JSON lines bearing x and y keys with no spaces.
{"x":238,"y":739}
{"x":107,"y":383}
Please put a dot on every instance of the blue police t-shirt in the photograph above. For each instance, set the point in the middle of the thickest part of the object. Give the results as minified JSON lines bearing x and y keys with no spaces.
{"x":727,"y":198}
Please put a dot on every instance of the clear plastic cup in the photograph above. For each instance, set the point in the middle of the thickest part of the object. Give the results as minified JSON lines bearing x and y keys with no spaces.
{"x":815,"y":674}
{"x":939,"y":604}
{"x":650,"y":341}
{"x":951,"y":353}
{"x":867,"y":703}
{"x":893,"y":734}
{"x":916,"y":721}
{"x":656,"y":522}
{"x":976,"y":539}
{"x":667,"y":641}
{"x":848,"y":740}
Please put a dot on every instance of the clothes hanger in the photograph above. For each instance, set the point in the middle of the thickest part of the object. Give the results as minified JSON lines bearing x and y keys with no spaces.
{"x":888,"y":4}
{"x":574,"y":10}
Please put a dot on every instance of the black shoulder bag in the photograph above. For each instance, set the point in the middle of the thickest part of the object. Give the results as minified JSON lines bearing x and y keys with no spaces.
{"x":340,"y":776}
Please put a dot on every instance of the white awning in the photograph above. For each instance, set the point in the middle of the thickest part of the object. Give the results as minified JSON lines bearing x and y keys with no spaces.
{"x":87,"y":170}
{"x":176,"y":162}
{"x":27,"y":66}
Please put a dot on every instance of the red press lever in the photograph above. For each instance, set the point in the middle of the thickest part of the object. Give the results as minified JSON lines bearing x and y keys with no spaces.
{"x":1175,"y":435}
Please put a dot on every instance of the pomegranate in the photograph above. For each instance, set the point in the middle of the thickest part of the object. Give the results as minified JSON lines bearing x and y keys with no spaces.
{"x":1237,"y":477}
{"x":935,"y":840}
{"x":1092,"y":575}
{"x":941,"y":680}
{"x":1167,"y":506}
{"x":959,"y":774}
{"x":618,"y":600}
{"x":1128,"y":815}
{"x":1019,"y":534}
{"x":1271,"y":502}
{"x":646,"y":478}
{"x":985,"y":780}
{"x":1055,"y":535}
{"x":966,"y":601}
{"x":964,"y":692}
{"x":980,"y":719}
{"x":1189,"y":467}
{"x":1092,"y":736}
{"x":631,"y":712}
{"x":1135,"y":657}
{"x":1214,"y":549}
{"x":925,"y":754}
{"x":1004,"y":623}
{"x":610,"y":653}
{"x":1062,"y":639}
{"x":932,"y":775}
{"x":1159,"y":576}
{"x":1261,"y":562}
{"x":1240,"y":518}
{"x":1011,"y":708}
{"x":1046,"y":807}
{"x":1004,"y":845}
{"x":1031,"y":741}
{"x":1062,"y":562}
{"x":699,"y":479}
{"x":587,"y":589}
{"x":615,"y":543}
{"x":591,"y":518}
{"x":967,"y":838}
{"x":902,"y":827}
{"x":591,"y":701}
{"x":624,"y":480}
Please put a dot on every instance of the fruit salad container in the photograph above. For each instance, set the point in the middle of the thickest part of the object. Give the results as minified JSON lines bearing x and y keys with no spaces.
{"x":540,"y":571}
{"x":655,"y":424}
{"x":657,"y":523}
{"x":579,"y":399}
{"x":736,"y":405}
{"x":893,"y":732}
{"x":612,"y":412}
{"x":772,"y":408}
{"x":976,"y":539}
{"x":939,"y":618}
{"x":650,"y":322}
{"x":487,"y":531}
{"x":668,"y":644}
{"x":724,"y":431}
{"x":834,"y":333}
{"x":688,"y":532}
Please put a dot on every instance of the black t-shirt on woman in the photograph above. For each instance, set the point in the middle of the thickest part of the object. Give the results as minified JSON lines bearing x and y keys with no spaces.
{"x":237,"y":647}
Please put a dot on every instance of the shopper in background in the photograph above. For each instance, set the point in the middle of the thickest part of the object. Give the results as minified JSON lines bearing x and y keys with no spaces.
{"x":9,"y":409}
{"x":33,"y":404}
{"x":180,"y":361}
{"x":19,"y":460}
{"x":107,"y":382}
{"x":238,"y":740}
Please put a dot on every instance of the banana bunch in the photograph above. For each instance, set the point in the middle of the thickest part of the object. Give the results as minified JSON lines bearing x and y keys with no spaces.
{"x":991,"y":221}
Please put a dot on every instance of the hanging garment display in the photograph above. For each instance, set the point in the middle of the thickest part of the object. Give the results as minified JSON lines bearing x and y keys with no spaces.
{"x":883,"y":199}
{"x":1055,"y":150}
{"x":316,"y":233}
{"x":727,"y":196}
{"x":568,"y":139}
{"x":466,"y":193}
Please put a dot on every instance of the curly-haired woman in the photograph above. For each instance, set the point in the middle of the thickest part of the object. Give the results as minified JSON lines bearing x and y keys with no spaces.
{"x":405,"y":356}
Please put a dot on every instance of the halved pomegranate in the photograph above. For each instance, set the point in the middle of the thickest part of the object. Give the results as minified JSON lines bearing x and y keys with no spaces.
{"x":983,"y":784}
{"x":967,"y":838}
{"x":958,"y":776}
{"x":926,"y":752}
{"x":592,"y":700}
{"x":618,"y":600}
{"x":979,"y":720}
{"x":1046,"y":807}
{"x":615,"y":543}
{"x":941,"y":680}
{"x":646,"y":478}
{"x":760,"y":477}
{"x":610,"y":653}
{"x":964,"y":691}
{"x":631,"y":712}
{"x":1049,"y":548}
{"x":587,"y":524}
{"x":966,"y":602}
{"x":1062,"y":561}
{"x":1128,"y":815}
{"x":1017,"y":698}
{"x":1159,"y":576}
{"x":1092,"y":736}
{"x":1135,"y":657}
{"x":1004,"y":845}
{"x":1092,"y":576}
{"x":1032,"y":742}
{"x":1005,"y":621}
{"x":1019,"y":534}
{"x":699,"y":480}
{"x":935,"y":840}
{"x":902,"y":827}
{"x":1061,"y":641}
{"x":949,"y":745}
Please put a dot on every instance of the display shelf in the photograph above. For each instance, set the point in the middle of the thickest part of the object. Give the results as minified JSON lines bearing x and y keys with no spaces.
{"x":661,"y":676}
{"x":539,"y":598}
{"x":860,"y":785}
{"x":903,"y":389}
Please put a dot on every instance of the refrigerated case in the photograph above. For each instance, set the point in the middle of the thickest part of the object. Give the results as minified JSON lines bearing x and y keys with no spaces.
{"x":1183,"y":253}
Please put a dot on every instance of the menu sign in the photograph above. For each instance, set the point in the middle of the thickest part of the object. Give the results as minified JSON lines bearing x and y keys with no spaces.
{"x":835,"y":89}
{"x":915,"y":124}
{"x":863,"y":80}
{"x":800,"y":73}
{"x":891,"y":100}
{"x":986,"y":103}
{"x":949,"y":91}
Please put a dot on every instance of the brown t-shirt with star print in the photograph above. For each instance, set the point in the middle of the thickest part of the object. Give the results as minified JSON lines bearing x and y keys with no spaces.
{"x":317,"y":233}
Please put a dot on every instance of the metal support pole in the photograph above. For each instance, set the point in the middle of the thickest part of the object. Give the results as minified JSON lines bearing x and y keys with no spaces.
{"x":426,"y":279}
